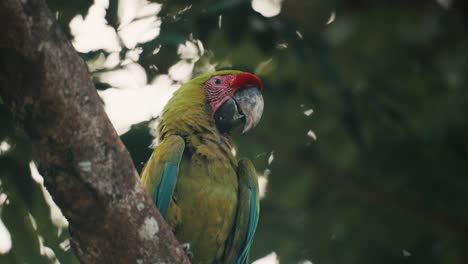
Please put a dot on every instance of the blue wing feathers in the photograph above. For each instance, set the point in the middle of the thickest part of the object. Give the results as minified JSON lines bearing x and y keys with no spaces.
{"x":253,"y":220}
{"x":163,"y":193}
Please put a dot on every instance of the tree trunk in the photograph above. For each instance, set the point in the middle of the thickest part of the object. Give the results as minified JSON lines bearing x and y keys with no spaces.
{"x":86,"y":168}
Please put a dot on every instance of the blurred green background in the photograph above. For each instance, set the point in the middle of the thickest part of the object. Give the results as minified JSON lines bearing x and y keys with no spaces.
{"x":376,"y":174}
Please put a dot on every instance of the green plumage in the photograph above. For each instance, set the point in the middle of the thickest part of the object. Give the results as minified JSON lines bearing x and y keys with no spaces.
{"x":214,"y":203}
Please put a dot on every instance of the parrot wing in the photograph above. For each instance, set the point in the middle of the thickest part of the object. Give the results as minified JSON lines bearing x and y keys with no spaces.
{"x":247,"y":214}
{"x":159,"y":175}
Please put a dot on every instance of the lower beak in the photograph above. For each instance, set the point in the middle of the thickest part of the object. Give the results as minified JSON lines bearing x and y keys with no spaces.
{"x":250,"y":104}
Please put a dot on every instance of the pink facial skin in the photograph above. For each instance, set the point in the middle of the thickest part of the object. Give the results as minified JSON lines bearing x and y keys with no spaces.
{"x":218,"y":89}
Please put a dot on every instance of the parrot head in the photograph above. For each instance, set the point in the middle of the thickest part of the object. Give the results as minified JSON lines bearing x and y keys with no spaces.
{"x":222,"y":101}
{"x":235,"y":100}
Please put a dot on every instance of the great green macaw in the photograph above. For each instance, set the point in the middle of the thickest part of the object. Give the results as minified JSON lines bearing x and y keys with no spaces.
{"x":208,"y":197}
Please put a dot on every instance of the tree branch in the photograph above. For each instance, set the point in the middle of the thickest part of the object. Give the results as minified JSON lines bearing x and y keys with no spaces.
{"x":86,"y":167}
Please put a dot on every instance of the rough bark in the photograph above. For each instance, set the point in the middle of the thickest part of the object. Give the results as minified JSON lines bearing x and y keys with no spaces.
{"x":86,"y":168}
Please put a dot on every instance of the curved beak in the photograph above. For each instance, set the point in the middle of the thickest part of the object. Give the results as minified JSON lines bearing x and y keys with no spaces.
{"x":245,"y":109}
{"x":250,"y":104}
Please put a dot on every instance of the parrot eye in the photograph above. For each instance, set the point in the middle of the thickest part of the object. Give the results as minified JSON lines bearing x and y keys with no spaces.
{"x":217,"y":81}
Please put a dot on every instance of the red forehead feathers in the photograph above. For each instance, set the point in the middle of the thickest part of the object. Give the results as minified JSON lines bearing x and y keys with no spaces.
{"x":246,"y":79}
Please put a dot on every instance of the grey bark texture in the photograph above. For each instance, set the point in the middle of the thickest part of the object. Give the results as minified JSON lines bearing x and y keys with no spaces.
{"x":86,"y":167}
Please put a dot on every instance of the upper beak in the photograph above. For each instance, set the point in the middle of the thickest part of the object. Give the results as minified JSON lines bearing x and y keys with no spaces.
{"x":250,"y":104}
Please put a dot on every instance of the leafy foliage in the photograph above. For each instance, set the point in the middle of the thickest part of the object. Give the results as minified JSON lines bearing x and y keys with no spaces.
{"x":66,"y":10}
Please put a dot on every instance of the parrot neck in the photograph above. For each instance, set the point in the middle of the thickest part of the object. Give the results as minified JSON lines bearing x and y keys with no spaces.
{"x":189,"y":115}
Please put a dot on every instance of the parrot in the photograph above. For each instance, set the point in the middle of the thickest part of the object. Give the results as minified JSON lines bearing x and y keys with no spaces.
{"x":208,"y":197}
